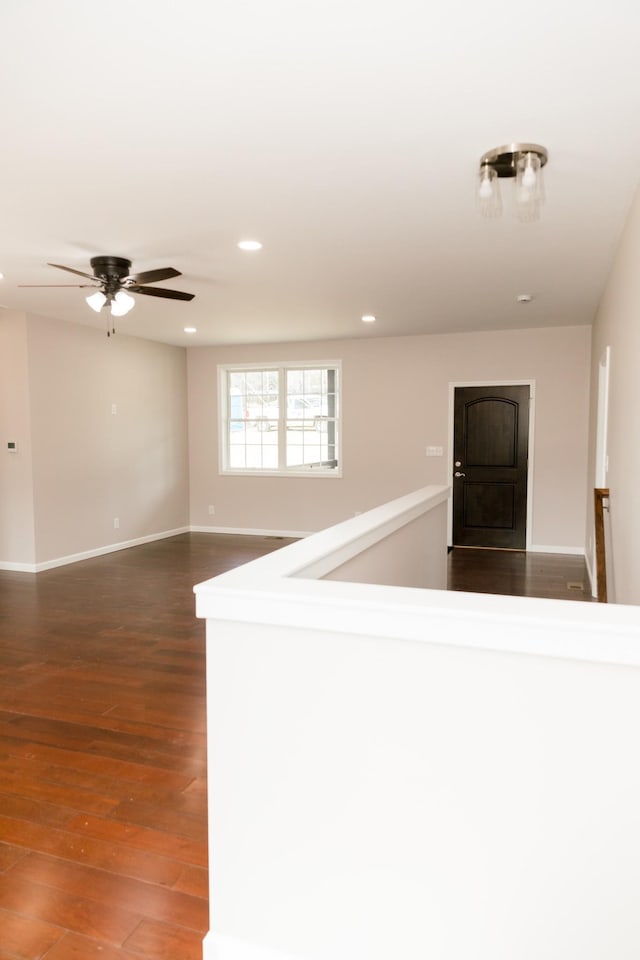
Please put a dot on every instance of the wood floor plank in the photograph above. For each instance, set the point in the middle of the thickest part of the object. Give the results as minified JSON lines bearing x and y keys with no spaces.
{"x":62,"y":696}
{"x":193,"y":880}
{"x":163,"y":818}
{"x":168,"y":844}
{"x":75,"y":947}
{"x":142,"y":898}
{"x":186,"y":759}
{"x":10,"y":854}
{"x":179,"y":713}
{"x":37,"y":811}
{"x":165,"y":941}
{"x":25,"y":938}
{"x":16,"y":777}
{"x":123,"y":770}
{"x":102,"y":921}
{"x":114,"y":738}
{"x":107,"y":791}
{"x":126,"y":861}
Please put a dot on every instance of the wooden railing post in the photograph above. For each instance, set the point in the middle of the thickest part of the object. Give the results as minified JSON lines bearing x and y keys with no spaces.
{"x":600,"y":495}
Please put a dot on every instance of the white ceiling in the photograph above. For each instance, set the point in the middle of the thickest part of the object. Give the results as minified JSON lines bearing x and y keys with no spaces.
{"x":343,"y":134}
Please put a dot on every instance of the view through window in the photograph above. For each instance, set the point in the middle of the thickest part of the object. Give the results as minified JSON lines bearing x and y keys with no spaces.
{"x":281,"y":419}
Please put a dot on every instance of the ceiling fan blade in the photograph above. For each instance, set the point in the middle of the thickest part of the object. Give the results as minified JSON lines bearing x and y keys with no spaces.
{"x":161,"y":292}
{"x":78,"y":286}
{"x":150,"y":276}
{"x":59,"y":266}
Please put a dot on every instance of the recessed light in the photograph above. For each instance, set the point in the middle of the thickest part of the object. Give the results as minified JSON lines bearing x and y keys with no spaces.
{"x":190,"y":329}
{"x":1,"y":276}
{"x":250,"y":245}
{"x":524,"y":298}
{"x":368,"y":318}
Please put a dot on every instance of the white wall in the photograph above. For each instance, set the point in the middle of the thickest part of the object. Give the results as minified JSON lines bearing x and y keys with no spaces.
{"x":397,"y":772}
{"x":618,"y":326}
{"x":395,"y":403}
{"x":17,"y":535}
{"x":90,"y":466}
{"x":412,"y":556}
{"x":382,"y":798}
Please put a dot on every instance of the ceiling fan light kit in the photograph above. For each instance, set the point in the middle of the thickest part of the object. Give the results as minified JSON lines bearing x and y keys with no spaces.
{"x":115,"y":284}
{"x":521,"y":162}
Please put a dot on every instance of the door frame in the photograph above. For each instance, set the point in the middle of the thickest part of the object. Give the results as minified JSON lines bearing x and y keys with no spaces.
{"x":530,"y":448}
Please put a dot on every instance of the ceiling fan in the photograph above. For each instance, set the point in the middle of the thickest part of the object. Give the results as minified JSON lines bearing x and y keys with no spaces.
{"x":114,"y":284}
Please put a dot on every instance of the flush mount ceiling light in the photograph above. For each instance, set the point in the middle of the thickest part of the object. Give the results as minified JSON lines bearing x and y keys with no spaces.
{"x":250,"y":245}
{"x":368,"y":318}
{"x":521,"y":162}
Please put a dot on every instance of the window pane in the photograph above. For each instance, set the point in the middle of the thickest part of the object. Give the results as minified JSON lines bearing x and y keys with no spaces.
{"x":237,"y":459}
{"x":257,"y":412}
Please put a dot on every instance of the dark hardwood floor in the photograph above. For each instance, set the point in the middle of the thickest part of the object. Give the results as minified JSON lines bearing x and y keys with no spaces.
{"x":103,"y":827}
{"x":519,"y":574}
{"x":102,"y":742}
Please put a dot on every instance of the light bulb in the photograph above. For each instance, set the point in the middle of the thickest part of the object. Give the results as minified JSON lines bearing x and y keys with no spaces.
{"x":96,"y":301}
{"x":529,"y":175}
{"x":486,"y":189}
{"x":489,"y":201}
{"x":121,"y":304}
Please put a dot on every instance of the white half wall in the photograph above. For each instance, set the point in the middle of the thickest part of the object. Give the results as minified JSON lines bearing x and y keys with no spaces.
{"x":401,"y":772}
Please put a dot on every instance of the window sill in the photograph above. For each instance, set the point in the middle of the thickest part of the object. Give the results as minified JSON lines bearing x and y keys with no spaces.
{"x":312,"y":474}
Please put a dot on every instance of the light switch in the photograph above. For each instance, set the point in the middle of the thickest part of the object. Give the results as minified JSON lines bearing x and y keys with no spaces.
{"x":434,"y":451}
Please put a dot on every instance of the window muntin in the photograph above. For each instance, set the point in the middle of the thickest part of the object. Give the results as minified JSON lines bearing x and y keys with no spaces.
{"x":281,"y":419}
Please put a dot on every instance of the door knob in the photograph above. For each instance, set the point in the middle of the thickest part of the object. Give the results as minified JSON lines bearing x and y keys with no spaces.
{"x":458,"y":474}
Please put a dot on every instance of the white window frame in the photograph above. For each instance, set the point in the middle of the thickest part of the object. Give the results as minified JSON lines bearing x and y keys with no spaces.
{"x":224,"y":369}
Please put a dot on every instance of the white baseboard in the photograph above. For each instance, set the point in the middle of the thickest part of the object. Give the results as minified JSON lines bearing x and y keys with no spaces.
{"x":17,"y":567}
{"x":246,"y":531}
{"x":541,"y":548}
{"x":125,"y":544}
{"x":217,"y":947}
{"x":88,"y":554}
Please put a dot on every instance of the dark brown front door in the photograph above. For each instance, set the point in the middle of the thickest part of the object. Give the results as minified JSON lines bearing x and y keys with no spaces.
{"x":491,"y":438}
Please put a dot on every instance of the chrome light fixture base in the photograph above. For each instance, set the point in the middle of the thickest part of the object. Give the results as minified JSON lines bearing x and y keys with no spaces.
{"x":504,"y":160}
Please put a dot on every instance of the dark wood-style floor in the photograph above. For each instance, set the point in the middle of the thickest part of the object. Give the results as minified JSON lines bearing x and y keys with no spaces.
{"x":102,"y":743}
{"x":103,"y":827}
{"x":519,"y":574}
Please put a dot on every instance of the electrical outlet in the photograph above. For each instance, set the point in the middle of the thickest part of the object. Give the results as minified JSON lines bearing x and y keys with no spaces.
{"x":116,"y":523}
{"x":114,"y":408}
{"x":212,"y":510}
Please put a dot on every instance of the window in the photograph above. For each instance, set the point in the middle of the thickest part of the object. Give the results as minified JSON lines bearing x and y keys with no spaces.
{"x":282,"y":419}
